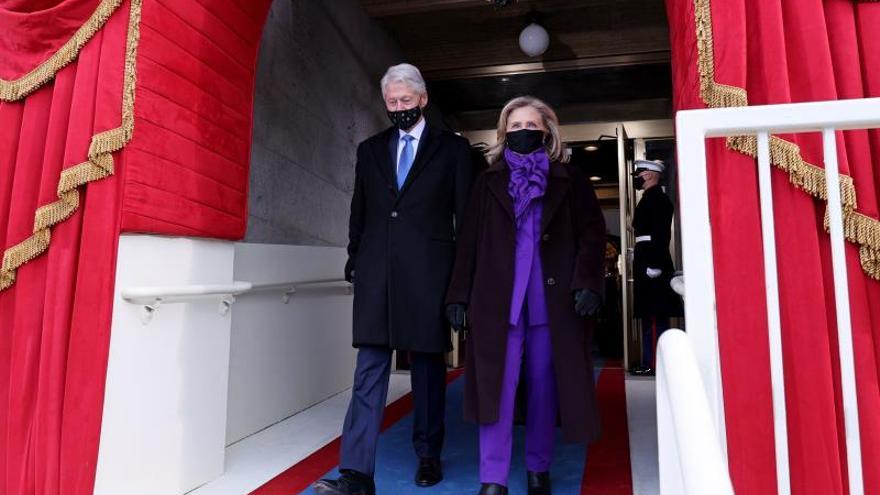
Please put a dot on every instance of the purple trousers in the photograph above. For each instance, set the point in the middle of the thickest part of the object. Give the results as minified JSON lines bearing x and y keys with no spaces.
{"x":496,"y":439}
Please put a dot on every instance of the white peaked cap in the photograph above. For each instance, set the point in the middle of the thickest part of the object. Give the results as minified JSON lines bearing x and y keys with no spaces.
{"x":654,"y":166}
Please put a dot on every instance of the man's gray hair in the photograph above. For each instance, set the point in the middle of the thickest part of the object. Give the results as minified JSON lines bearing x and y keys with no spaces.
{"x":404,"y":73}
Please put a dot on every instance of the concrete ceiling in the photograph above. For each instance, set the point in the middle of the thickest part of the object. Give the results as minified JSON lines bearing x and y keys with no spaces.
{"x":607,"y":60}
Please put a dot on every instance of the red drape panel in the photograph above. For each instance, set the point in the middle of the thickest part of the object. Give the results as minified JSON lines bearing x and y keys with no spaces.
{"x":788,"y":51}
{"x":35,"y":29}
{"x":185,"y":172}
{"x":55,"y":320}
{"x":194,"y":114}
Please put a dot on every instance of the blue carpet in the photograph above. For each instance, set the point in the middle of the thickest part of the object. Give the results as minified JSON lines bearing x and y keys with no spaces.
{"x":396,"y":462}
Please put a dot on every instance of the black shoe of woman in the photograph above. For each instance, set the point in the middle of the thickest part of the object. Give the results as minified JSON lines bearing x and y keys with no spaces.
{"x":492,"y":489}
{"x":539,"y":483}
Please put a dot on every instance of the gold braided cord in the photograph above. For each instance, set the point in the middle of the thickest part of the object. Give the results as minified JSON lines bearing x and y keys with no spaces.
{"x":98,"y":166}
{"x":786,"y":156}
{"x":19,"y":88}
{"x":858,"y":228}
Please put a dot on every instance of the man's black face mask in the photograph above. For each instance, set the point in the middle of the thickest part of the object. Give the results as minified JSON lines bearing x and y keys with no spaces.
{"x":638,"y":183}
{"x":405,"y":119}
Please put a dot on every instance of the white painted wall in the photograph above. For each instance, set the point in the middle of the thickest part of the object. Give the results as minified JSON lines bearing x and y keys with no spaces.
{"x":286,"y":358}
{"x":164,"y":417}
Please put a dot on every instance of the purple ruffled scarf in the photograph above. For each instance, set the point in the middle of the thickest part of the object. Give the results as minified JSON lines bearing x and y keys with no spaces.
{"x":528,"y":179}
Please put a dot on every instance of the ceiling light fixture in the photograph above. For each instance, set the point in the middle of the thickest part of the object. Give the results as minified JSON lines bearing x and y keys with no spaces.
{"x":595,"y":178}
{"x":534,"y":40}
{"x":591,"y":147}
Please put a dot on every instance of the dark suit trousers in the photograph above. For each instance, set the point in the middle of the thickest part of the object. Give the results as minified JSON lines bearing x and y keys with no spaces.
{"x":363,"y":422}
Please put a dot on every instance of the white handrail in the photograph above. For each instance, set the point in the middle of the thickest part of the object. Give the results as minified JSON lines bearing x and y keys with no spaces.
{"x":844,"y":323}
{"x":294,"y":285}
{"x":182,"y":293}
{"x":290,"y":288}
{"x":692,"y":129}
{"x":774,"y":320}
{"x":691,"y":459}
{"x":152,"y":297}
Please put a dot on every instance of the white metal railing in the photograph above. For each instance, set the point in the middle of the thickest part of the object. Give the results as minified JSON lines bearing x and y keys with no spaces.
{"x":692,"y":129}
{"x":692,"y":459}
{"x":153,"y":297}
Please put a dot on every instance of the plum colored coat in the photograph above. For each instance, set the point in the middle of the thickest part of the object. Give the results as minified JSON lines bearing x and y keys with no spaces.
{"x":572,"y":246}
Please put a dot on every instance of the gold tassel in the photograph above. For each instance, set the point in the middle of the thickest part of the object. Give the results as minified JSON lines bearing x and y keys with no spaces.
{"x":98,"y":166}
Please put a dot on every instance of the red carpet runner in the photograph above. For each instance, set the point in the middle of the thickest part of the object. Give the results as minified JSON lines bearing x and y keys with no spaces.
{"x":608,"y":464}
{"x":608,"y":470}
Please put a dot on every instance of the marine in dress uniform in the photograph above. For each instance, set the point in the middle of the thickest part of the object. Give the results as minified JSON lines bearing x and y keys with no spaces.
{"x":655,"y":301}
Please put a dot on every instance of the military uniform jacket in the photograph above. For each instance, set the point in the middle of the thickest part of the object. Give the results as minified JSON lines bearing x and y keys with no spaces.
{"x":652,"y":223}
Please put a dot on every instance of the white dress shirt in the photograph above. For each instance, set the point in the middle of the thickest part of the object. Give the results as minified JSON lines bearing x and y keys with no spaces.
{"x":415,"y":132}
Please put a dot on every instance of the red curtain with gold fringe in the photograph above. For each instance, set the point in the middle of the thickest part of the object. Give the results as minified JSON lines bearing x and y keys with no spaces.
{"x":55,"y":320}
{"x":70,"y":183}
{"x":742,"y":52}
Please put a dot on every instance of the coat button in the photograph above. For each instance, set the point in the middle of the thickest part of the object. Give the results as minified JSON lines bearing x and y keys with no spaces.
{"x":551,"y":281}
{"x":393,"y":214}
{"x":545,"y":237}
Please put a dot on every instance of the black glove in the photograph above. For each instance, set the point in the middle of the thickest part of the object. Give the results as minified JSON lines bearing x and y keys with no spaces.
{"x":456,"y":316}
{"x":586,"y":302}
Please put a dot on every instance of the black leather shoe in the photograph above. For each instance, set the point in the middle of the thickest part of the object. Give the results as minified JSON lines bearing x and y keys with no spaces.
{"x":539,"y":483}
{"x":349,"y":483}
{"x":493,"y":489}
{"x":430,"y":472}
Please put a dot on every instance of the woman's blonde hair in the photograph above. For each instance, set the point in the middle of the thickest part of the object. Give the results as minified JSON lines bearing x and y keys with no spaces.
{"x":554,"y":146}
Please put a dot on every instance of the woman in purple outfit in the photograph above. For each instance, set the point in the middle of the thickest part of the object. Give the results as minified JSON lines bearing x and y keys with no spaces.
{"x":527,"y":277}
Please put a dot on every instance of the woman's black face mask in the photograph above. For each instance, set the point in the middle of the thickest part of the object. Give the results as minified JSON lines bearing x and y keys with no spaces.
{"x":525,"y":141}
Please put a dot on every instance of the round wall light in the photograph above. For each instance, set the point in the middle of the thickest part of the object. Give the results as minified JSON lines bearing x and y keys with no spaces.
{"x":534,"y":40}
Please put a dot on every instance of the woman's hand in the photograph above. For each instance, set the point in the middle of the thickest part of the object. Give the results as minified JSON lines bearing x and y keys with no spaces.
{"x":586,"y":302}
{"x":456,"y":315}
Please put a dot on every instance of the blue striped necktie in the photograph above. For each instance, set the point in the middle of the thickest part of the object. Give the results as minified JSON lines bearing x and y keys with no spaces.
{"x":406,"y":160}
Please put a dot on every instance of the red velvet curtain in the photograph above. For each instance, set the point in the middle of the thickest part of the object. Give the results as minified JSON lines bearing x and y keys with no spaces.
{"x":782,"y":51}
{"x":184,"y":172}
{"x":55,"y":320}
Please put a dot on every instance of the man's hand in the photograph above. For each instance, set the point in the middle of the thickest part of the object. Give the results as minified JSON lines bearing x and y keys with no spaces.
{"x":653,"y":272}
{"x":586,"y":302}
{"x":456,"y":316}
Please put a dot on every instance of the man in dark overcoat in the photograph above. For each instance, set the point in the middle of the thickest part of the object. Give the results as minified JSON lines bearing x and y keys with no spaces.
{"x":654,"y":300}
{"x":411,"y":187}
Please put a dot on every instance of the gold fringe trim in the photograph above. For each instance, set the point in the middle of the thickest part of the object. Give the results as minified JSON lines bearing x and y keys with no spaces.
{"x":98,"y":166}
{"x":785,"y":155}
{"x":19,"y":88}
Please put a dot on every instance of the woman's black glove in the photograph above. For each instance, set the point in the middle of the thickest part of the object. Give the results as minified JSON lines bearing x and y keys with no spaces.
{"x":456,"y":316}
{"x":586,"y":302}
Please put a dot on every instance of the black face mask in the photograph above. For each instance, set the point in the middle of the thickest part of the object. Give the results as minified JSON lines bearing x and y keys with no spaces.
{"x":638,"y":183}
{"x":525,"y":141}
{"x":405,"y":119}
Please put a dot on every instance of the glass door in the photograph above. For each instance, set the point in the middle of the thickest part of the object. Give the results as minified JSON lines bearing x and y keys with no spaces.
{"x":625,"y":154}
